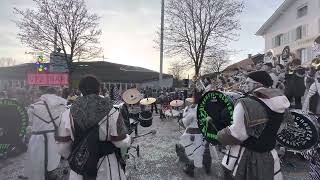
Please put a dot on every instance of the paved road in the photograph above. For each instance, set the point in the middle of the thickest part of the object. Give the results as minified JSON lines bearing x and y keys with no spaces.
{"x":158,"y":160}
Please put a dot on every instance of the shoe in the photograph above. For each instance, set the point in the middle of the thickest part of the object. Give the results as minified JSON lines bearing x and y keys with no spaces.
{"x":189,"y":170}
{"x":207,"y":169}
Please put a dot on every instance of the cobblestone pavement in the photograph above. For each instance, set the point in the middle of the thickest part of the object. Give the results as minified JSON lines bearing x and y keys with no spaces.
{"x":158,"y":160}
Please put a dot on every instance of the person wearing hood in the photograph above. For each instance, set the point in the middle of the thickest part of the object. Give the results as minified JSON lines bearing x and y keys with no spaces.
{"x":43,"y":158}
{"x":193,"y":150}
{"x":86,"y":112}
{"x":251,"y":138}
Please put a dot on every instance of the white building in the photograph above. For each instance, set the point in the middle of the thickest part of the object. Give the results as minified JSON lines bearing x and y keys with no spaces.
{"x":296,"y":23}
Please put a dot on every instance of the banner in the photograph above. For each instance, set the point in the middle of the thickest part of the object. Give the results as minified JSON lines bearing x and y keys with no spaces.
{"x":48,"y":79}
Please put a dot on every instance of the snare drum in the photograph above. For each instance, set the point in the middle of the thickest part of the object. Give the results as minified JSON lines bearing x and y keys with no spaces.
{"x":302,"y":134}
{"x":145,"y":118}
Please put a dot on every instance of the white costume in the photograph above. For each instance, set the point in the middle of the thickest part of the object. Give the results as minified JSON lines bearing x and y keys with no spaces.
{"x":238,"y":130}
{"x":109,"y":167}
{"x":43,"y":132}
{"x":194,"y":147}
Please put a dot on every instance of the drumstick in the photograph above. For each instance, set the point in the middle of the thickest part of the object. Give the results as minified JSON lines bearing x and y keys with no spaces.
{"x":153,"y":132}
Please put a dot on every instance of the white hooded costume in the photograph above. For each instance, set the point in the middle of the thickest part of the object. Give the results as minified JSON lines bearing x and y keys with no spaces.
{"x":43,"y":136}
{"x":192,"y":139}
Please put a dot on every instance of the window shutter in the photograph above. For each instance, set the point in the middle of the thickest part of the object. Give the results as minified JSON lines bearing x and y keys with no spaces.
{"x":273,"y":42}
{"x":309,"y":54}
{"x":304,"y":31}
{"x":319,"y":21}
{"x":293,"y":35}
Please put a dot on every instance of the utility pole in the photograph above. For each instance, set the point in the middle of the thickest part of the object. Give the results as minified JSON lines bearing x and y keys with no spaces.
{"x":55,"y":38}
{"x":161,"y":43}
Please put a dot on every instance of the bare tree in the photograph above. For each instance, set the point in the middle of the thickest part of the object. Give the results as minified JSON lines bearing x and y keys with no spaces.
{"x":176,"y":69}
{"x":198,"y":29}
{"x":77,"y":29}
{"x":216,"y":63}
{"x":5,"y":62}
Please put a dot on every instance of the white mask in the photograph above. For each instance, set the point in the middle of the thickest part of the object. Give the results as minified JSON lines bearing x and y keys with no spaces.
{"x":251,"y":85}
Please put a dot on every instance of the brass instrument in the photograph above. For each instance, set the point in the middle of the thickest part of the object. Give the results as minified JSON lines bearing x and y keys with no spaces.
{"x":294,"y":65}
{"x":316,"y":63}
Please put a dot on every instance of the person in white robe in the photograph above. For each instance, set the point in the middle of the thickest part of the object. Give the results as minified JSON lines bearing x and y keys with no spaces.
{"x":193,"y":149}
{"x":42,"y":154}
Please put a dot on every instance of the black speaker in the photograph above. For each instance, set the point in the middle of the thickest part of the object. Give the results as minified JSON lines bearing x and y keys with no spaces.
{"x":185,"y":83}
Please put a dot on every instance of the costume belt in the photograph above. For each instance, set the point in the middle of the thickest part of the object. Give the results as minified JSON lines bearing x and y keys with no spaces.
{"x":42,"y":132}
{"x":193,"y":131}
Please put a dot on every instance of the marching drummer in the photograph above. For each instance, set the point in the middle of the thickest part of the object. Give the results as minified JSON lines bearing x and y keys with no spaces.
{"x":192,"y":149}
{"x":252,"y":136}
{"x":132,"y":98}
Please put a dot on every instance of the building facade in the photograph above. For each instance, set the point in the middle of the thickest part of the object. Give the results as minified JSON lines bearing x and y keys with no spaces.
{"x":296,"y":23}
{"x":110,"y":74}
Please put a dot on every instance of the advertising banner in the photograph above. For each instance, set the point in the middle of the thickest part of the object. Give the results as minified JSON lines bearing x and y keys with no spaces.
{"x":48,"y":79}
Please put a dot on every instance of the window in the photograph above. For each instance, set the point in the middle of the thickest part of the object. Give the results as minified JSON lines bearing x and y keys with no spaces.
{"x":278,"y":40}
{"x":299,"y":33}
{"x":302,"y":11}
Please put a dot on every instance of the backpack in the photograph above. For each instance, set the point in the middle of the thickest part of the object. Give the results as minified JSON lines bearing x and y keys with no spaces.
{"x":87,"y":152}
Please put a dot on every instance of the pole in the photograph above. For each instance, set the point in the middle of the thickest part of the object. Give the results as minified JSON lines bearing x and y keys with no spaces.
{"x":55,"y":38}
{"x":161,"y":44}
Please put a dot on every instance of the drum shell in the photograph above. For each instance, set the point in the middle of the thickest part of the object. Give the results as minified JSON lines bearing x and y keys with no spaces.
{"x":145,"y":118}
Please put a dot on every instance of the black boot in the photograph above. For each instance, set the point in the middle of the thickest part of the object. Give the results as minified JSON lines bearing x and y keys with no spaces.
{"x":189,"y":170}
{"x":207,"y":159}
{"x":182,"y":154}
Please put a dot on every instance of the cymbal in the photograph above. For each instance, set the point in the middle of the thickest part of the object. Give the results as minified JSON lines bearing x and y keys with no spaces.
{"x":131,"y":96}
{"x":176,"y":103}
{"x":148,"y":101}
{"x":72,"y":98}
{"x":190,"y":100}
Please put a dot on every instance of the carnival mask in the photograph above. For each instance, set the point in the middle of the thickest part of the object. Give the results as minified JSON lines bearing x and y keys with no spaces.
{"x":251,"y":85}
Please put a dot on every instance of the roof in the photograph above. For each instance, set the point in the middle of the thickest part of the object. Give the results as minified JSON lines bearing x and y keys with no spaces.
{"x":274,"y":17}
{"x":105,"y":71}
{"x":258,"y":58}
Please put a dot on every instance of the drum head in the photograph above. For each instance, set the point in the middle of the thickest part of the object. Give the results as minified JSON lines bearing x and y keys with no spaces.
{"x":214,"y":113}
{"x":13,"y":124}
{"x":303,"y":134}
{"x":146,"y":115}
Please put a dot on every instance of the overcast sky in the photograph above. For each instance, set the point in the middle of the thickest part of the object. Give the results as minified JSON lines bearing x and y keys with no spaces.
{"x":129,"y":28}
